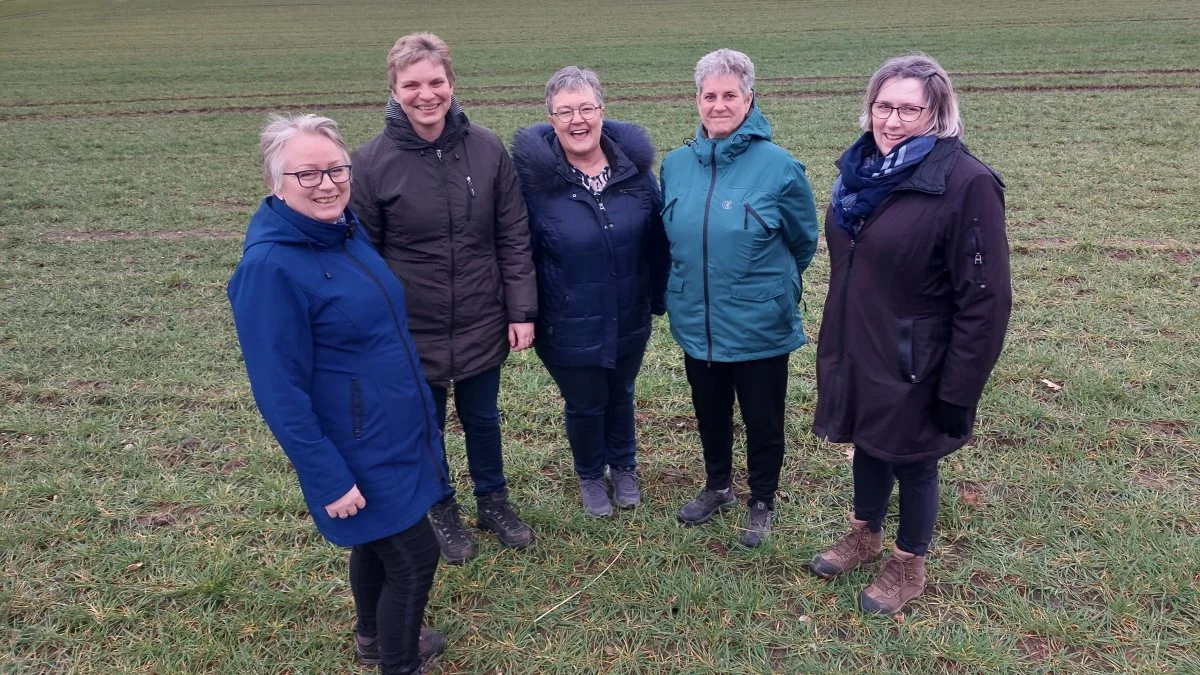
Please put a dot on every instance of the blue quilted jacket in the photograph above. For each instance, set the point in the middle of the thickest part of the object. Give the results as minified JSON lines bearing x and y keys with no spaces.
{"x":601,"y":262}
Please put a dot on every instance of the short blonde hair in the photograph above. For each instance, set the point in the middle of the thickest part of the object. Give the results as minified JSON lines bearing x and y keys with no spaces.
{"x":939,"y":93}
{"x":281,"y":129}
{"x":418,"y":47}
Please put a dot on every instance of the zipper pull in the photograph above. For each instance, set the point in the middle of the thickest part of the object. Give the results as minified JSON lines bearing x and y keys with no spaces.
{"x":978,"y":258}
{"x":471,"y":186}
{"x":439,"y":152}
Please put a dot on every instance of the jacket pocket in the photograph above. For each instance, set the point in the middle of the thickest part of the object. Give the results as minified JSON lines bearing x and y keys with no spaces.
{"x":668,"y":211}
{"x":921,"y":346}
{"x":356,"y":408}
{"x":675,"y":279}
{"x":751,"y":213}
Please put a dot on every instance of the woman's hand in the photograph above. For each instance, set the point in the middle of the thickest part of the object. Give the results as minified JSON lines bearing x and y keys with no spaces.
{"x":348,"y":505}
{"x":520,"y":336}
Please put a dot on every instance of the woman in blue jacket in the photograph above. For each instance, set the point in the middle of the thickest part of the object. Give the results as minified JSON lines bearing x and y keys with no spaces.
{"x":742,"y":225}
{"x":601,"y":260}
{"x":321,"y":322}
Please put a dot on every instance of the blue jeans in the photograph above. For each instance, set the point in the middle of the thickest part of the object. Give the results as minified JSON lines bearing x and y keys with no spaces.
{"x":475,"y":401}
{"x":599,"y":414}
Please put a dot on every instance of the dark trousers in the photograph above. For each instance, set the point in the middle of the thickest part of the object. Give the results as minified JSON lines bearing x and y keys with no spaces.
{"x":475,"y":402}
{"x":390,"y":579}
{"x":761,"y":388}
{"x":599,"y":414}
{"x":873,"y":480}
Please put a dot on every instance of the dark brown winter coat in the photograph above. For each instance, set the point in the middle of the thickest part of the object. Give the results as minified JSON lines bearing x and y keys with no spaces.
{"x":449,"y":219}
{"x":917,"y":309}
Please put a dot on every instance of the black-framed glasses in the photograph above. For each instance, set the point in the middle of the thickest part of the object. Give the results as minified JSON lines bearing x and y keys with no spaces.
{"x":313,"y":177}
{"x":907,"y":113}
{"x":586,"y":111}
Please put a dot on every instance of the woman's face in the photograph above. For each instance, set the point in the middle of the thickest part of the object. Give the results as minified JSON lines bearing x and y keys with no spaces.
{"x":723,"y":106}
{"x":423,"y":92}
{"x":579,"y":137}
{"x":328,"y":199}
{"x":899,"y":93}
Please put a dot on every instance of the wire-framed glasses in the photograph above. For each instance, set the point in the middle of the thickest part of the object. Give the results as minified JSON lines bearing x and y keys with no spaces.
{"x":312,"y":177}
{"x":586,"y":111}
{"x":907,"y":113}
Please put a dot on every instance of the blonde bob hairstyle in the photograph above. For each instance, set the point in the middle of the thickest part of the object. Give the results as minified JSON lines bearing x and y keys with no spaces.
{"x":939,"y":93}
{"x":418,"y":47}
{"x":281,"y":129}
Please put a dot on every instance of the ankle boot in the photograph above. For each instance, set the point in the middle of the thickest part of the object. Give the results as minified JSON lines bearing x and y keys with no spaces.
{"x":857,"y":547}
{"x":901,"y":579}
{"x":453,"y":539}
{"x":496,"y":514}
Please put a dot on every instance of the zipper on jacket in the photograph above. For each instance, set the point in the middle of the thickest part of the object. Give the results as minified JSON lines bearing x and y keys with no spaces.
{"x":356,"y":408}
{"x":977,"y":261}
{"x":668,"y":212}
{"x":453,"y":275}
{"x":840,"y":375}
{"x":418,"y":374}
{"x":471,"y":199}
{"x":712,"y":187}
{"x":751,"y":212}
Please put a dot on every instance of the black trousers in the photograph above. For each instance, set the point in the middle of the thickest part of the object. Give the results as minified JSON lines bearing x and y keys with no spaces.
{"x":760,"y":387}
{"x":873,"y":481}
{"x":390,"y":579}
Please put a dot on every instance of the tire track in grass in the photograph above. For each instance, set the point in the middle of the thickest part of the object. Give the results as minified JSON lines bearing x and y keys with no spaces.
{"x":535,"y":102}
{"x":496,"y":88}
{"x":85,"y":236}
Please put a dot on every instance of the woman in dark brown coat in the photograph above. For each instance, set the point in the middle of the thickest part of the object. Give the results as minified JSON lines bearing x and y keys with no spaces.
{"x":440,"y":200}
{"x":919,"y":299}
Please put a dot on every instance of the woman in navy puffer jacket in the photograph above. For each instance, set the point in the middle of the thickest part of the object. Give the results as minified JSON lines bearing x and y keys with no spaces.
{"x":602,"y":260}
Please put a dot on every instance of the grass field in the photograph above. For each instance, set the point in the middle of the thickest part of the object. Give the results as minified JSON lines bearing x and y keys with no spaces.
{"x":150,"y":524}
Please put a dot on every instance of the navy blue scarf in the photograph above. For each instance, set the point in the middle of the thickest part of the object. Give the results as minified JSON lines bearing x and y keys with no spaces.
{"x":867,"y":177}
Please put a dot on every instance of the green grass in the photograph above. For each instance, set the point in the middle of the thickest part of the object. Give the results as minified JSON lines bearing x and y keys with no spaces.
{"x":152,"y":526}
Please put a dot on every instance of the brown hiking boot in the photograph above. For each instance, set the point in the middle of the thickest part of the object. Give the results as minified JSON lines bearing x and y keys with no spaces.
{"x":901,"y":579}
{"x":858,"y":547}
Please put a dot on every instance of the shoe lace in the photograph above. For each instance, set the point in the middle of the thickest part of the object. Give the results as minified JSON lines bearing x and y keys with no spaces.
{"x":449,"y":522}
{"x":848,"y":545}
{"x":891,"y":575}
{"x":623,"y":481}
{"x":503,"y":512}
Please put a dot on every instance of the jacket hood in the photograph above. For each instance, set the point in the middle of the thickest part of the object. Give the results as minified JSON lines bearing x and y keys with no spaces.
{"x":276,"y":222}
{"x":399,"y":128}
{"x":754,"y":128}
{"x":542,"y":167}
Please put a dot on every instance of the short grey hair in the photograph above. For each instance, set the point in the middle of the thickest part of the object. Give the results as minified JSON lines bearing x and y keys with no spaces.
{"x":939,"y":93}
{"x":281,"y":129}
{"x":573,"y":78}
{"x":726,"y":62}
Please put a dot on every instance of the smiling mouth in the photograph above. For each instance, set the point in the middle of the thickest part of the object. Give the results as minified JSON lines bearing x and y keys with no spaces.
{"x":325,"y":200}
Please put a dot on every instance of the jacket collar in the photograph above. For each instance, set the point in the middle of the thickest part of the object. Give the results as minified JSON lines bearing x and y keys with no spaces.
{"x":754,"y":128}
{"x":277,"y":222}
{"x":400,"y":130}
{"x":543,"y":167}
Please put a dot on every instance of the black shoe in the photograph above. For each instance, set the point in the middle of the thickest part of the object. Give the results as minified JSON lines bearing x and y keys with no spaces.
{"x":706,"y":505}
{"x":496,"y":515}
{"x":452,"y":537}
{"x":758,"y":524}
{"x":430,"y":644}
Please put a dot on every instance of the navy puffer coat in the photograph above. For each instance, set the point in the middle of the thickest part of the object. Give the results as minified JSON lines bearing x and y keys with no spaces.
{"x":602,"y":262}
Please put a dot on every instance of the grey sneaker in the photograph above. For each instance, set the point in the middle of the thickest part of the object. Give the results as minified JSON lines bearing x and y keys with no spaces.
{"x":452,"y":537}
{"x":595,"y":497}
{"x":706,"y":505}
{"x":495,"y":514}
{"x":626,"y":494}
{"x":758,"y":524}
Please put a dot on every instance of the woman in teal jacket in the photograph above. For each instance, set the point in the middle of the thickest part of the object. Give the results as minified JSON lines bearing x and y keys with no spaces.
{"x":742,"y":225}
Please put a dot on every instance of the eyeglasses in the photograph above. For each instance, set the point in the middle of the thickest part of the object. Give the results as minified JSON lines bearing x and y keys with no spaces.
{"x":587,"y":112}
{"x":907,"y":113}
{"x":313,"y":177}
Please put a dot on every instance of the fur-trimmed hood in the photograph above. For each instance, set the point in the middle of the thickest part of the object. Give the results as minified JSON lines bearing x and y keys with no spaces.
{"x":543,"y":168}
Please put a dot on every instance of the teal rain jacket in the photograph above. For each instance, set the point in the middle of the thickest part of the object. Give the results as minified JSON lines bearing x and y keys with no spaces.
{"x":740,"y":217}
